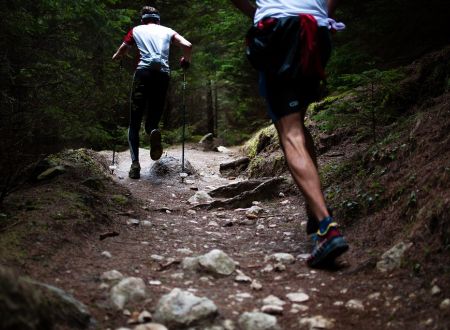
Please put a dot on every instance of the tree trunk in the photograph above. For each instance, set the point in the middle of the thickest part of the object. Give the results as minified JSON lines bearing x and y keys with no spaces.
{"x":210,"y":108}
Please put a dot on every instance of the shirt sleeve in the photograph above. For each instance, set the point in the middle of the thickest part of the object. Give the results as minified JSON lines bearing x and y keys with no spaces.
{"x":171,"y":33}
{"x":129,"y":40}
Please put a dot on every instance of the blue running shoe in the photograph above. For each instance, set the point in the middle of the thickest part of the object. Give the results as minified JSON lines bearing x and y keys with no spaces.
{"x":330,"y":244}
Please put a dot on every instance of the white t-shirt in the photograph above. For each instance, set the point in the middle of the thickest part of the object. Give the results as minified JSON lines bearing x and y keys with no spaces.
{"x":283,"y":8}
{"x":153,"y":42}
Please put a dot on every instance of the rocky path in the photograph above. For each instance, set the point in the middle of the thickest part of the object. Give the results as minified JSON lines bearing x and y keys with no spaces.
{"x":187,"y":267}
{"x":165,"y":263}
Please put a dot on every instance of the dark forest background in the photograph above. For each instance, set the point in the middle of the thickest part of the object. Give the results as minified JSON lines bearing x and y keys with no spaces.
{"x":60,"y":89}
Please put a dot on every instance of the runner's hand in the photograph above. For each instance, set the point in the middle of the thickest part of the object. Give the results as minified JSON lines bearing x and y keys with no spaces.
{"x":185,"y":64}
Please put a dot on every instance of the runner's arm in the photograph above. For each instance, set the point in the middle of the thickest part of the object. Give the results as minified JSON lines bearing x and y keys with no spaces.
{"x":121,"y":51}
{"x":245,"y":6}
{"x":332,"y":5}
{"x":185,"y":45}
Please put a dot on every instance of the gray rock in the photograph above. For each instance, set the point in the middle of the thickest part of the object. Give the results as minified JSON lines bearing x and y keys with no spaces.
{"x":273,"y":300}
{"x":296,"y":308}
{"x":190,"y":264}
{"x":435,"y":290}
{"x":184,"y":251}
{"x":107,"y":254}
{"x":258,"y":321}
{"x":133,"y":222}
{"x":180,"y":309}
{"x":241,"y":277}
{"x":355,"y":304}
{"x":445,"y":304}
{"x":272,"y":309}
{"x":392,"y":258}
{"x":284,"y":258}
{"x":253,"y":212}
{"x":316,"y":323}
{"x":51,"y":173}
{"x":228,"y":325}
{"x":169,"y":168}
{"x":129,"y":289}
{"x":223,"y":149}
{"x":218,"y":262}
{"x":256,"y":285}
{"x":144,"y":317}
{"x":200,"y":197}
{"x":157,"y":257}
{"x":67,"y":307}
{"x":297,"y":297}
{"x":111,"y":276}
{"x":151,"y":326}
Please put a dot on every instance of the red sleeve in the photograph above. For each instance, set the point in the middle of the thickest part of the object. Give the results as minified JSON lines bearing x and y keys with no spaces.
{"x":129,"y":40}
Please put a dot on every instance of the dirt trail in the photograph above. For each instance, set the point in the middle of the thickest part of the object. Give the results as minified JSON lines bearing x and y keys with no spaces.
{"x":386,"y":302}
{"x":153,"y":251}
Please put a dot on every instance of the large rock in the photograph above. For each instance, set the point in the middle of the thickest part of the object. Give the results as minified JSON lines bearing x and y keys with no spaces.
{"x":392,"y":258}
{"x":51,"y":173}
{"x":180,"y":309}
{"x":235,"y":167}
{"x":129,"y":289}
{"x":169,"y":167}
{"x":258,"y":321}
{"x":200,"y":197}
{"x":27,"y":304}
{"x":190,"y":264}
{"x":218,"y":262}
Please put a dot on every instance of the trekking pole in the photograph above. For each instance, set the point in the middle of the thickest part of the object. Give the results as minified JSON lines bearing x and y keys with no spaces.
{"x":183,"y":174}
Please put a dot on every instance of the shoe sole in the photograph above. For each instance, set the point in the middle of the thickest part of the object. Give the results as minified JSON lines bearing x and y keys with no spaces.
{"x":335,"y":248}
{"x":155,"y":145}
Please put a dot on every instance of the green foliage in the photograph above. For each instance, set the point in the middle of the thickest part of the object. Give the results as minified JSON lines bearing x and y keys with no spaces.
{"x":59,"y":87}
{"x":366,"y":101}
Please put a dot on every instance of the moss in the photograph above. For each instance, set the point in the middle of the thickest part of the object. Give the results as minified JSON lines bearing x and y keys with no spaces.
{"x":119,"y":199}
{"x":11,"y":246}
{"x":268,"y":135}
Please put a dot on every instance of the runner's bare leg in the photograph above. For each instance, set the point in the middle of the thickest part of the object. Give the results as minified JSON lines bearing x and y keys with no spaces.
{"x":298,"y":148}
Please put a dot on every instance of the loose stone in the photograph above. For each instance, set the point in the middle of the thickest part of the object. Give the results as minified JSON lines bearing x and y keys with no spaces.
{"x":355,"y":304}
{"x":111,"y":276}
{"x":150,"y":326}
{"x":435,"y":290}
{"x":284,"y":258}
{"x":272,"y":309}
{"x":256,"y":285}
{"x":106,"y":254}
{"x":180,"y":309}
{"x":297,"y":297}
{"x":445,"y":304}
{"x":127,"y":290}
{"x":316,"y":322}
{"x":258,"y":321}
{"x":273,"y":300}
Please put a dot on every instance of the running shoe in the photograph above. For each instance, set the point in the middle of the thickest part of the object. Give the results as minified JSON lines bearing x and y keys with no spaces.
{"x":156,"y":149}
{"x":330,"y":244}
{"x":135,"y":170}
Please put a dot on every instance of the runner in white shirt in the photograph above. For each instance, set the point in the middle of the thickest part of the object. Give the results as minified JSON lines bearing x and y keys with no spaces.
{"x":151,"y":80}
{"x":289,"y":80}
